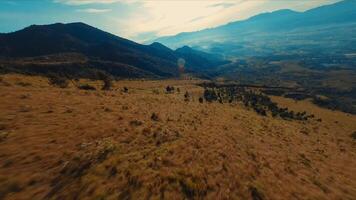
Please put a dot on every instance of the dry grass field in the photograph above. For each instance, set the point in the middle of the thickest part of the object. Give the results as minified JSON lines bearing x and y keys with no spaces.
{"x":146,"y":144}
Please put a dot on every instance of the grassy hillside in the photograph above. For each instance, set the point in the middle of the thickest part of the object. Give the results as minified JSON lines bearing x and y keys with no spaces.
{"x":144,"y":143}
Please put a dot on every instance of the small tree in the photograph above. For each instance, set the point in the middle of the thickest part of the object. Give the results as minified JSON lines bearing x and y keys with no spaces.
{"x":106,"y":79}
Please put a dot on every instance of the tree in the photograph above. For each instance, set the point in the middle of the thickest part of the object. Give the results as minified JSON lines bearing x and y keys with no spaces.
{"x":106,"y":79}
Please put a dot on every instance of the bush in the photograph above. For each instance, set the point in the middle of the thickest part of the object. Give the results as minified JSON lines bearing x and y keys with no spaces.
{"x":353,"y":135}
{"x":259,"y":102}
{"x":210,"y":95}
{"x":169,"y":89}
{"x":155,"y":91}
{"x":86,"y":87}
{"x":186,"y":96}
{"x":58,"y":81}
{"x":23,"y":84}
{"x":106,"y":78}
{"x":125,"y":89}
{"x":154,"y":117}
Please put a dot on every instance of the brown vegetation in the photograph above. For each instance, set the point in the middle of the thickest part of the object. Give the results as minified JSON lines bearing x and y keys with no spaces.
{"x":73,"y":144}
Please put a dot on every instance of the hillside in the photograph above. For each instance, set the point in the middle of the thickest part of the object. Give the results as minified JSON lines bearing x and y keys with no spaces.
{"x":41,"y":45}
{"x":148,"y":144}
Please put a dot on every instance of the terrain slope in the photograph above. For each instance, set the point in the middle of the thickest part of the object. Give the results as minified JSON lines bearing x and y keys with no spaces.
{"x":147,"y":144}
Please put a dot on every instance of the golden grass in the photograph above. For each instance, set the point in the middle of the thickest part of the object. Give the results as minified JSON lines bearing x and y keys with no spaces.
{"x":70,"y":143}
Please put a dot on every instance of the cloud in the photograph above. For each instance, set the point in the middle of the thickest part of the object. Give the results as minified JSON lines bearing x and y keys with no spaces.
{"x":85,"y":2}
{"x":93,"y":10}
{"x":197,"y":18}
{"x":224,"y":5}
{"x":169,"y":17}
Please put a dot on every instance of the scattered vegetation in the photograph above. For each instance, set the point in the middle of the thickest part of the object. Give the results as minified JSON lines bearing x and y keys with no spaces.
{"x":3,"y":135}
{"x":186,"y":96}
{"x":334,"y":104}
{"x":125,"y":90}
{"x":155,"y":91}
{"x":254,"y":99}
{"x":136,"y":123}
{"x":256,"y":194}
{"x":201,"y":100}
{"x":58,"y":81}
{"x":86,"y":87}
{"x":9,"y":187}
{"x":23,"y":84}
{"x":169,"y":89}
{"x":155,"y":117}
{"x":3,"y":82}
{"x":106,"y":78}
{"x":353,"y":135}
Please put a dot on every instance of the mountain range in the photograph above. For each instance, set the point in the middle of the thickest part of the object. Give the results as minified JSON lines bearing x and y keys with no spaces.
{"x":328,"y":27}
{"x":77,"y":47}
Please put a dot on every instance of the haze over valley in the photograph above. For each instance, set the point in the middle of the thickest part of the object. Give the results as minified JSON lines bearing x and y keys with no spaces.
{"x":218,"y":99}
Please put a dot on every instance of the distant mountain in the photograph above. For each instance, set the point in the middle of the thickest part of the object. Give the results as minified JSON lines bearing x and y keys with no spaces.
{"x":101,"y":50}
{"x":330,"y":26}
{"x":200,"y":60}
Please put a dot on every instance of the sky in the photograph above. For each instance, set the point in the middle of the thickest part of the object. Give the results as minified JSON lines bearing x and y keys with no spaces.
{"x":141,"y":20}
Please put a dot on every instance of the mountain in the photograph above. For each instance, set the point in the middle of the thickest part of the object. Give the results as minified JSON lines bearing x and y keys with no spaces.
{"x":203,"y":61}
{"x":276,"y":32}
{"x":98,"y":49}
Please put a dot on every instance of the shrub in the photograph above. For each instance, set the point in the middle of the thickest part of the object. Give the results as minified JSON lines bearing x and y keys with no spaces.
{"x":136,"y":123}
{"x":186,"y":96}
{"x":86,"y":87}
{"x":154,"y":117}
{"x":169,"y":89}
{"x":210,"y":95}
{"x":155,"y":91}
{"x":23,"y":84}
{"x":58,"y":81}
{"x":353,"y":135}
{"x":255,"y":193}
{"x":106,"y":79}
{"x":125,"y":89}
{"x":259,"y":102}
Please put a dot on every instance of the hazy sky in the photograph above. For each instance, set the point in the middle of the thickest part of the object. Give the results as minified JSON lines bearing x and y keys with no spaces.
{"x":141,"y":19}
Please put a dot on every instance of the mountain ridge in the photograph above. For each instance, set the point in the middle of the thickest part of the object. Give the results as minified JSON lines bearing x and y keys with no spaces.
{"x":93,"y":43}
{"x":343,"y":12}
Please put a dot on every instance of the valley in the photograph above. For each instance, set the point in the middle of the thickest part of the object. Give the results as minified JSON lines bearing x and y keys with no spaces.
{"x":220,"y":99}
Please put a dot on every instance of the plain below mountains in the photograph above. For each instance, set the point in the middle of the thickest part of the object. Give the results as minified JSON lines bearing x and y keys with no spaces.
{"x":326,"y":29}
{"x":77,"y":49}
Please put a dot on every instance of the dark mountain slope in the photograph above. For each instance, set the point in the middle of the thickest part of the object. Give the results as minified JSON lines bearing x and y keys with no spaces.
{"x":204,"y":61}
{"x":99,"y":47}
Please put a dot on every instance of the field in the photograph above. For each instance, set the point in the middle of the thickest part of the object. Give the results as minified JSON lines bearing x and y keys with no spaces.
{"x":145,"y":143}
